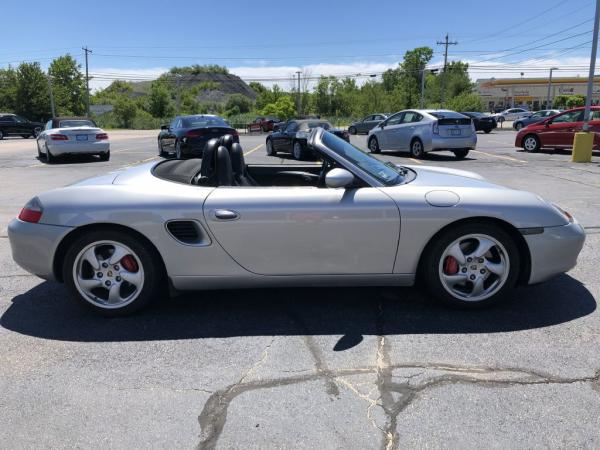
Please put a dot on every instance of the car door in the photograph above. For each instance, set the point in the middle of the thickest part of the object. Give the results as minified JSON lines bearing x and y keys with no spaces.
{"x":8,"y":125}
{"x":305,"y":230}
{"x":168,"y":138}
{"x":387,"y":133}
{"x":365,"y":125}
{"x":284,"y":143}
{"x":560,"y":131}
{"x":405,"y":133}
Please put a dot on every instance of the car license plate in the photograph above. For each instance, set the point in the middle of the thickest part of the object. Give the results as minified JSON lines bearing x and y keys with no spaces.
{"x":454,"y":132}
{"x":82,"y":137}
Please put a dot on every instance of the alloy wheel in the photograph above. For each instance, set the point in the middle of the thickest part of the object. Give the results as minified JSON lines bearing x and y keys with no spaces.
{"x":530,"y":144}
{"x":474,"y":267}
{"x":108,"y":274}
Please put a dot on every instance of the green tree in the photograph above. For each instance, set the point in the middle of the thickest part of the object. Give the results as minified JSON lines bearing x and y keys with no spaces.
{"x":237,"y":103}
{"x":283,"y":108}
{"x":575,"y":100}
{"x":268,"y":96}
{"x":257,"y":87}
{"x":31,"y":94}
{"x":125,"y":111}
{"x":465,"y":101}
{"x":8,"y":89}
{"x":159,"y":100}
{"x":68,"y":86}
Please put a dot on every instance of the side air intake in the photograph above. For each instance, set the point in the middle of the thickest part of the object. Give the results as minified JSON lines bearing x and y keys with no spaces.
{"x":187,"y":232}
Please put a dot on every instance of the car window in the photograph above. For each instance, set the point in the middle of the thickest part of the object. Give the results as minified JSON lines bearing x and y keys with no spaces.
{"x":75,"y":123}
{"x":19,"y":119}
{"x":595,"y":114}
{"x":395,"y":119}
{"x":173,"y":123}
{"x":203,"y":121}
{"x":537,"y":114}
{"x":48,"y":125}
{"x":411,"y":117}
{"x":292,"y":127}
{"x":9,"y":119}
{"x":571,"y":116}
{"x":305,"y":126}
{"x":378,"y":117}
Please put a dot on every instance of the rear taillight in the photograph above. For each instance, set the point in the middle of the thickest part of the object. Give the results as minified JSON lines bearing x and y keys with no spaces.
{"x":32,"y":211}
{"x":435,"y":127}
{"x":59,"y":137}
{"x":235,"y":133}
{"x":101,"y":136}
{"x":194,"y":133}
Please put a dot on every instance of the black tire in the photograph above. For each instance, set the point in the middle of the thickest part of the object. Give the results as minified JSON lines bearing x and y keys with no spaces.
{"x":374,"y":145}
{"x":270,"y":149}
{"x":178,"y":151}
{"x":298,"y":151}
{"x":431,"y":264}
{"x":1,"y":135}
{"x":352,"y":130}
{"x":416,"y":149}
{"x":153,"y":283}
{"x":49,"y":158}
{"x":105,"y":156}
{"x":40,"y":154}
{"x":518,"y":126}
{"x":487,"y":131}
{"x":461,"y":154}
{"x":531,"y":143}
{"x":161,"y":152}
{"x":26,"y":136}
{"x":264,"y":129}
{"x":36,"y":132}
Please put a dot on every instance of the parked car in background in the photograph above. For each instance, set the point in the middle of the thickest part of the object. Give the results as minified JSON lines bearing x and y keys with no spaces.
{"x":186,"y":136}
{"x":366,"y":124}
{"x":535,"y":117}
{"x":511,"y":114}
{"x":483,"y":122}
{"x":263,"y":124}
{"x":424,"y":130}
{"x":291,"y":137}
{"x":72,"y":136}
{"x":558,"y":131}
{"x":13,"y":125}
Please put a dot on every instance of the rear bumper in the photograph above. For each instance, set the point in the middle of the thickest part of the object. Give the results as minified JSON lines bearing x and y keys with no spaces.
{"x":554,"y":251}
{"x":78,"y":148}
{"x":34,"y":245}
{"x":449,"y":143}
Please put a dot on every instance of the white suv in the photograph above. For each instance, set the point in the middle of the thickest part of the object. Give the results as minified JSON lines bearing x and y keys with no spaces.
{"x":511,"y":114}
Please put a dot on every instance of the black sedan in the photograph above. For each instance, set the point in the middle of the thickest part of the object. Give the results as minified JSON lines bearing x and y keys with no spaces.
{"x":186,"y":136}
{"x":13,"y":125}
{"x":291,"y":137}
{"x":481,"y":121}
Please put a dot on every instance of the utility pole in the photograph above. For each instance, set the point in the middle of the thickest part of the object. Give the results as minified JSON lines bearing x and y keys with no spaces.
{"x":51,"y":96}
{"x":590,"y":84}
{"x":298,"y":96}
{"x":548,"y":104}
{"x":445,"y":43}
{"x":87,"y":81}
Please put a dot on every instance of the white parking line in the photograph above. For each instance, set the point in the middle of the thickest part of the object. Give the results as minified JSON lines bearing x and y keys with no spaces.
{"x":510,"y":158}
{"x":416,"y":160}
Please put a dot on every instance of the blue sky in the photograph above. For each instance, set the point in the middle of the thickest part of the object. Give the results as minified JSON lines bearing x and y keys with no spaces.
{"x":139,"y":39}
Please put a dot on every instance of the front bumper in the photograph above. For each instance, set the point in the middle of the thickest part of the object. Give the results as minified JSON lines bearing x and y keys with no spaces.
{"x":554,"y":251}
{"x":34,"y":245}
{"x":78,"y":148}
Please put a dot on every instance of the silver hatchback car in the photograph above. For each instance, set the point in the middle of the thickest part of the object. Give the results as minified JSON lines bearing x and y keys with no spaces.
{"x":424,"y":130}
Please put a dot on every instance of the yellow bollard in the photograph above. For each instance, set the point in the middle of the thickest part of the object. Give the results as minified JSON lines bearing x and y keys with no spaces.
{"x":582,"y":147}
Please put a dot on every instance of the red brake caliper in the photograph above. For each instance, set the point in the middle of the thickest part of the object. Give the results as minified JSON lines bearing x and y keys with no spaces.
{"x":129,"y":263}
{"x":450,"y":265}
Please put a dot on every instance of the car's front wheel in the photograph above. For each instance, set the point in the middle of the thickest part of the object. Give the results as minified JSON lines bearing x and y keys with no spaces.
{"x":374,"y":145}
{"x":518,"y":126}
{"x":531,"y":143}
{"x":270,"y":149}
{"x":105,"y":156}
{"x":112,"y":272}
{"x":352,"y":130}
{"x":298,"y":151}
{"x":178,"y":151}
{"x":471,"y":265}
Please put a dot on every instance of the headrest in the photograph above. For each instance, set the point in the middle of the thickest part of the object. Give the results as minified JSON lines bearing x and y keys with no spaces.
{"x":237,"y":159}
{"x":224,"y":171}
{"x":226,"y":141}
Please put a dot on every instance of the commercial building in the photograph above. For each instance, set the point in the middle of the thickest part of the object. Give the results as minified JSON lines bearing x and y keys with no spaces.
{"x":502,"y":93}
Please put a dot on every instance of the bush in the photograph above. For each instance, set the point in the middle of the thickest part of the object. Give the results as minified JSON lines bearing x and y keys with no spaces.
{"x":465,"y":102}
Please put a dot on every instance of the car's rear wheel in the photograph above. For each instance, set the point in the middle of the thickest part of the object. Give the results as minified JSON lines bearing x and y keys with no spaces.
{"x":50,"y":159}
{"x":26,"y":136}
{"x":487,"y":131}
{"x":531,"y":143}
{"x":518,"y":126}
{"x":112,"y":272}
{"x":1,"y":135}
{"x":462,"y":153}
{"x":416,"y":149}
{"x":471,"y":265}
{"x":40,"y":154}
{"x":352,"y":130}
{"x":178,"y":151}
{"x":298,"y":151}
{"x":374,"y":145}
{"x":36,"y":132}
{"x":270,"y":149}
{"x":105,"y":156}
{"x":161,"y":151}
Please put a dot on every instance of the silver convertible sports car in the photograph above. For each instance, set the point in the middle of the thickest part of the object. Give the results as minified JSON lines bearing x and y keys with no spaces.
{"x":214,"y":223}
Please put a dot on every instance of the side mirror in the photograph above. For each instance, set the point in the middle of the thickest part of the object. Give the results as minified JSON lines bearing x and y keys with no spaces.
{"x":164,"y":127}
{"x":275,"y":127}
{"x":382,"y":125}
{"x":337,"y":178}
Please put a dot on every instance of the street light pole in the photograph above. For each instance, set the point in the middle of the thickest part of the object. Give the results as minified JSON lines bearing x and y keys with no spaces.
{"x":548,"y":106}
{"x":423,"y":85}
{"x":590,"y":84}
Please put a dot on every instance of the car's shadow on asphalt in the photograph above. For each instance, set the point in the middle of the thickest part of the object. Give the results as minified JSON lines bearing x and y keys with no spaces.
{"x":433,"y":157}
{"x":46,"y":312}
{"x":74,"y":159}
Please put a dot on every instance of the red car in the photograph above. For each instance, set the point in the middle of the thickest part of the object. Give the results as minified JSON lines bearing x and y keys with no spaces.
{"x":263,"y":124}
{"x":558,"y":131}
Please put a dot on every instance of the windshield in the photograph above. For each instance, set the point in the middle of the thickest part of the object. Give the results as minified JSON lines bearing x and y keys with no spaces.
{"x":305,"y":126}
{"x":476,"y":114}
{"x":387,"y":173}
{"x":204,"y":121}
{"x":76,"y":123}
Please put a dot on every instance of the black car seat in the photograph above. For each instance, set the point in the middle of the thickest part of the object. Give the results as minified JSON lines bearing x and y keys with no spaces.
{"x":207,"y":175}
{"x":241,"y":177}
{"x":224,"y":171}
{"x":226,"y":141}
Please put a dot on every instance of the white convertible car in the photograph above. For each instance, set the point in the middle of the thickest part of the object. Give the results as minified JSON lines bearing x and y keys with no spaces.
{"x":72,"y":136}
{"x":216,"y":223}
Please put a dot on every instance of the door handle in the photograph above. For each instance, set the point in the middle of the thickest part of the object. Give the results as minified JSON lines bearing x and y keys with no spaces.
{"x":225,"y":214}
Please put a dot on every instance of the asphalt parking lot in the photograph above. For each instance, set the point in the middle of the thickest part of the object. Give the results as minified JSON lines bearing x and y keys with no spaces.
{"x":368,"y":368}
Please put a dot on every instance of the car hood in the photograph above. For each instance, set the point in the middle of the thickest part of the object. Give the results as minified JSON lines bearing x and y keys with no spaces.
{"x":443,"y":176}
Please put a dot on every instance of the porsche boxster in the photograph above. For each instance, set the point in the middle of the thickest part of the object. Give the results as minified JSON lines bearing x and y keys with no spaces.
{"x":118,"y":239}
